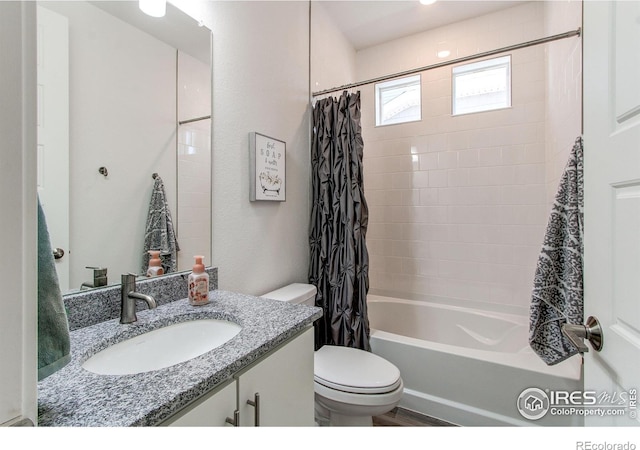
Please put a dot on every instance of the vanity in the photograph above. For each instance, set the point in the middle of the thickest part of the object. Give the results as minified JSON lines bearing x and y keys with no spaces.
{"x":261,"y":376}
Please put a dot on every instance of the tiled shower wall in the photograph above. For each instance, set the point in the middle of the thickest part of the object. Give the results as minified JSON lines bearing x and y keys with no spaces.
{"x":194,"y":162}
{"x":564,"y":89}
{"x":458,"y":205}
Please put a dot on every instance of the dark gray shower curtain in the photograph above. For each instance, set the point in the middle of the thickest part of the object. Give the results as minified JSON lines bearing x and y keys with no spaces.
{"x":339,"y":265}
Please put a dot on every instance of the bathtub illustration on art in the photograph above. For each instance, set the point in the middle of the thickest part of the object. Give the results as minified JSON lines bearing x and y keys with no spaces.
{"x":270,"y":183}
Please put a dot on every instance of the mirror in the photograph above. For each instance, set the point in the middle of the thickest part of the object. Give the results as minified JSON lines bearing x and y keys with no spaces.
{"x":139,"y":104}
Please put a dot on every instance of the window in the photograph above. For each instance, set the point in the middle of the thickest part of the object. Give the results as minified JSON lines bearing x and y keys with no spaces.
{"x":482,"y":86}
{"x":398,"y":101}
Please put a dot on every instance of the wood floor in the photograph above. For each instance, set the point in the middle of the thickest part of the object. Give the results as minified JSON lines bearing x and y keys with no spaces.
{"x":399,"y":417}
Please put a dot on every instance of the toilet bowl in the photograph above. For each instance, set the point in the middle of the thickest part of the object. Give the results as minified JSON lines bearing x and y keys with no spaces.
{"x":351,"y":385}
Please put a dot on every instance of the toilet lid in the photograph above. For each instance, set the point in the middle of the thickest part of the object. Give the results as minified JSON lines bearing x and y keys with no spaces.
{"x":352,"y":370}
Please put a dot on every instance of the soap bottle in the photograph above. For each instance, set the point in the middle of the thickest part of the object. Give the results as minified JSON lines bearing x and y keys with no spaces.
{"x":155,"y":264}
{"x":198,"y":283}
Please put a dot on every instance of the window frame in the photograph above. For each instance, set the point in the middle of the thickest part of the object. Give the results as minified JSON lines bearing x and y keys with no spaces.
{"x":381,"y":87}
{"x":479,"y":66}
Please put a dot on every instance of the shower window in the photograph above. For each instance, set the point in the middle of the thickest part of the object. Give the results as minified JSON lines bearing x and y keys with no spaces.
{"x":398,"y":101}
{"x":482,"y":86}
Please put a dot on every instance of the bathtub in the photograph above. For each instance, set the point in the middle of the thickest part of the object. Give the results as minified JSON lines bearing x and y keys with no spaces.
{"x":463,"y":365}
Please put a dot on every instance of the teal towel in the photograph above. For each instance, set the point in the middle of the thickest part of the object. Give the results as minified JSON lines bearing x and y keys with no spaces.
{"x":54,"y":346}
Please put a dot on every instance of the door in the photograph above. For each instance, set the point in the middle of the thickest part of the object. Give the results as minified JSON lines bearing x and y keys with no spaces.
{"x":18,"y":302}
{"x":53,"y":132}
{"x":612,"y":201}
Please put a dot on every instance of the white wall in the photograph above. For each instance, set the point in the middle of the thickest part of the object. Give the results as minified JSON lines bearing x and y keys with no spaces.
{"x":334,"y":58}
{"x":261,"y":83}
{"x":458,"y":205}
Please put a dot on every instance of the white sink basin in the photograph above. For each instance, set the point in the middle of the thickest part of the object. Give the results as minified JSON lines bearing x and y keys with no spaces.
{"x":162,"y":347}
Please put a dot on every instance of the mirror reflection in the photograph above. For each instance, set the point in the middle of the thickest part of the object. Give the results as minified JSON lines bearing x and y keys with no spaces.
{"x":124,"y":101}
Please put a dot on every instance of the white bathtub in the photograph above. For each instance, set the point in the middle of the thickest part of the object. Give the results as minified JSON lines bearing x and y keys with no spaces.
{"x":463,"y":365}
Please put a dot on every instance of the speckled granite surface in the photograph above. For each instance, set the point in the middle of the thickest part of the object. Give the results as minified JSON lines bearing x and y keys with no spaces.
{"x":74,"y":396}
{"x":93,"y":306}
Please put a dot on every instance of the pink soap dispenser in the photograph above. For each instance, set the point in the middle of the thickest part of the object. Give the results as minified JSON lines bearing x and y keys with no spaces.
{"x":198,"y":283}
{"x":155,"y":264}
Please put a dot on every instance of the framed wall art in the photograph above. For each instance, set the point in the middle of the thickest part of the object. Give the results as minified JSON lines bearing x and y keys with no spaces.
{"x":267,"y":168}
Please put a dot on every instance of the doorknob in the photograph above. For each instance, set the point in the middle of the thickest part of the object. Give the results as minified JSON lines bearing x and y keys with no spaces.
{"x":591,"y":331}
{"x":58,"y":253}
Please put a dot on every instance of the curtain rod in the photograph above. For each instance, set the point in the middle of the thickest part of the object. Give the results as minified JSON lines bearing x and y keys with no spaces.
{"x":509,"y":48}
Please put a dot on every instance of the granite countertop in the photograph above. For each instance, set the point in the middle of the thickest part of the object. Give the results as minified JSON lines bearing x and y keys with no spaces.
{"x":74,"y":396}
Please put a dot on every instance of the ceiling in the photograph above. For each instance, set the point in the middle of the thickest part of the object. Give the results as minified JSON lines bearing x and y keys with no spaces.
{"x":371,"y":22}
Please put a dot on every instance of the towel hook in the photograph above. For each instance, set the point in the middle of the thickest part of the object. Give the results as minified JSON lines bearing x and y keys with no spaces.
{"x":103,"y":171}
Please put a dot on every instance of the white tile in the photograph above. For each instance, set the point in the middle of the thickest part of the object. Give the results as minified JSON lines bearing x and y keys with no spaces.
{"x":429,"y":196}
{"x":458,"y":177}
{"x":437,"y":142}
{"x":530,"y":174}
{"x":401,"y":180}
{"x":514,"y":154}
{"x":491,"y":156}
{"x":468,"y":158}
{"x":438,"y":178}
{"x":420,"y":179}
{"x":411,"y":197}
{"x":447,"y":160}
{"x":429,"y":161}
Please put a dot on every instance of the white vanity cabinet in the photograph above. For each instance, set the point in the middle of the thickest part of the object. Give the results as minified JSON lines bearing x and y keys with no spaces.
{"x":276,"y":390}
{"x":280,"y":386}
{"x":210,"y":410}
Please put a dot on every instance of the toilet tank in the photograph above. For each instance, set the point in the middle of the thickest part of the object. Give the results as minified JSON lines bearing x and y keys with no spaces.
{"x":298,"y":293}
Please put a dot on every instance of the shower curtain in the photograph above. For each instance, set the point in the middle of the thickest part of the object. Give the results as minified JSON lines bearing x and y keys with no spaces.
{"x":339,"y":262}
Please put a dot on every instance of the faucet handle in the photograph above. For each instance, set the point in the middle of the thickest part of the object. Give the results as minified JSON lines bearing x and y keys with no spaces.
{"x":99,"y":276}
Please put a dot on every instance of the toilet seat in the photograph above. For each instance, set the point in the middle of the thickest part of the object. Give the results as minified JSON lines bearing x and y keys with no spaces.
{"x":354,"y":371}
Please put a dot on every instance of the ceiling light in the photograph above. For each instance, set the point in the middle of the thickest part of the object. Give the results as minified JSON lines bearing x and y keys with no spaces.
{"x":153,"y":8}
{"x":427,"y":2}
{"x":443,"y":53}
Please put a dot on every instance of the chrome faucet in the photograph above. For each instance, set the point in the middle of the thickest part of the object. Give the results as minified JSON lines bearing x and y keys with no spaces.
{"x":129,"y":297}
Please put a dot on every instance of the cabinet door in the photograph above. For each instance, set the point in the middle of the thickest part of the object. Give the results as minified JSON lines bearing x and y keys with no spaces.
{"x":211,"y":410}
{"x":284,"y":382}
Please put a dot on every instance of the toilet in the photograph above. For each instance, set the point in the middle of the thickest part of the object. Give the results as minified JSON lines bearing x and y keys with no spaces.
{"x":351,"y":385}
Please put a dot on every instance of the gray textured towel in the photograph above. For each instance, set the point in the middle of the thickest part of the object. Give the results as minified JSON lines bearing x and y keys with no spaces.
{"x":54,"y":346}
{"x":159,"y":233}
{"x":558,"y":286}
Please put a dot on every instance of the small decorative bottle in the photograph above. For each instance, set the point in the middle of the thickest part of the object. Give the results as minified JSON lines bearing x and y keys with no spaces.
{"x":155,"y":264}
{"x":198,"y":283}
